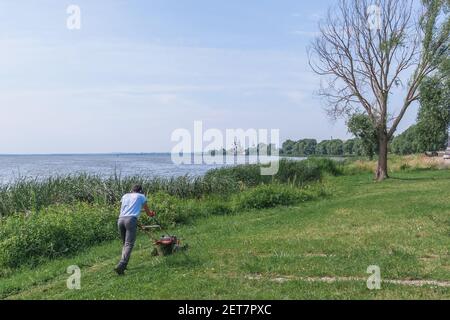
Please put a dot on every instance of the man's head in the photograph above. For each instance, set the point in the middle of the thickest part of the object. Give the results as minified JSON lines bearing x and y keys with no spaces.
{"x":137,"y":189}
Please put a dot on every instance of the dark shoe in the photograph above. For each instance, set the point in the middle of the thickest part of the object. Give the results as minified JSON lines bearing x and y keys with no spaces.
{"x":120,"y":270}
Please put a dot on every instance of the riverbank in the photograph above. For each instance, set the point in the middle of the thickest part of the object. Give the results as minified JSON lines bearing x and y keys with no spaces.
{"x":57,"y":217}
{"x":314,"y":250}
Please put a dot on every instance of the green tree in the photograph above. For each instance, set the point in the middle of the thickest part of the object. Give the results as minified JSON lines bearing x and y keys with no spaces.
{"x":306,"y":147}
{"x":358,"y":148}
{"x":434,"y":113}
{"x":335,"y":148}
{"x":322,"y":148}
{"x":407,"y":142}
{"x":362,"y":127}
{"x":288,"y":148}
{"x":349,"y":147}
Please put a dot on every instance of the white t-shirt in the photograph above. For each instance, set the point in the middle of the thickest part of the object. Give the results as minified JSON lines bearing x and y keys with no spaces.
{"x":132,"y":204}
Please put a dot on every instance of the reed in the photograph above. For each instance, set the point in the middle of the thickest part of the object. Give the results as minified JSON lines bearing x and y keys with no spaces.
{"x":33,"y":195}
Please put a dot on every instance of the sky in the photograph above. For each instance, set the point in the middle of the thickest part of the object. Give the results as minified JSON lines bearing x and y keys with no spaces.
{"x":137,"y":71}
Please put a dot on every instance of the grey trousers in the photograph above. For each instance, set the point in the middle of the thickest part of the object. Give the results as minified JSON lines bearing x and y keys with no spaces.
{"x":127,"y":228}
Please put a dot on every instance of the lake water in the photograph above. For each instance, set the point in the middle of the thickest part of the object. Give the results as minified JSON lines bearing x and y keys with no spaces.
{"x":13,"y":167}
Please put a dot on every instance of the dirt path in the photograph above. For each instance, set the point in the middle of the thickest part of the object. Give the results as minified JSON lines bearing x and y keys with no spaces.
{"x":403,"y":282}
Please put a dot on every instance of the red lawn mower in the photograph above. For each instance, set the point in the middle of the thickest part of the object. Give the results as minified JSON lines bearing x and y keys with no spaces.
{"x":167,"y":244}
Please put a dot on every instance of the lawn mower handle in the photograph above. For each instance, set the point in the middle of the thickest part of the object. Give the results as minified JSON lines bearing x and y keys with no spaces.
{"x":140,"y":226}
{"x":158,"y":223}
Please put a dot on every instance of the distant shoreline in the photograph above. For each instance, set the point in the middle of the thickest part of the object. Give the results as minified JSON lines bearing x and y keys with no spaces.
{"x":87,"y":154}
{"x":131,"y":154}
{"x":14,"y":167}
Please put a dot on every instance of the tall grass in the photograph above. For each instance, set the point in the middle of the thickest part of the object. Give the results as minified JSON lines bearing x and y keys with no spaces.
{"x":33,"y":195}
{"x":397,"y":163}
{"x":298,"y":173}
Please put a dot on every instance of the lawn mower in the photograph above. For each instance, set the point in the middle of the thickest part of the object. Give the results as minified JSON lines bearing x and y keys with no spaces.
{"x":167,"y":244}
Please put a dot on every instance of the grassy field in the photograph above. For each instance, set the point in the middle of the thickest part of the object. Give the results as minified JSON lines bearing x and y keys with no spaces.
{"x":316,"y":250}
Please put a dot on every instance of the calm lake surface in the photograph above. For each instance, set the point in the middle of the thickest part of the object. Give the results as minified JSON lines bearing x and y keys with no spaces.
{"x":13,"y":167}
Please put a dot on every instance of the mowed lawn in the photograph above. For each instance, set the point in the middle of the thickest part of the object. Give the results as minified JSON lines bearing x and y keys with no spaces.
{"x":316,"y":250}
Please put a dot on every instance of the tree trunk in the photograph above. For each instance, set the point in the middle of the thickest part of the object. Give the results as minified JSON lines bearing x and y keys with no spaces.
{"x":382,"y":169}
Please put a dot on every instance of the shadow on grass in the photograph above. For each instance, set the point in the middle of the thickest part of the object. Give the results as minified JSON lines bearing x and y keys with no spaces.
{"x":409,"y":176}
{"x":418,"y":178}
{"x":414,"y":179}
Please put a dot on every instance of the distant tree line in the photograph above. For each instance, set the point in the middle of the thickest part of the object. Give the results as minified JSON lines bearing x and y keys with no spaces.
{"x":335,"y":147}
{"x":428,"y":135}
{"x":412,"y":142}
{"x":260,"y":149}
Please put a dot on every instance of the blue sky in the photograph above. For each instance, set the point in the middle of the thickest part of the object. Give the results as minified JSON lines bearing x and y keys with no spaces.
{"x":138,"y":70}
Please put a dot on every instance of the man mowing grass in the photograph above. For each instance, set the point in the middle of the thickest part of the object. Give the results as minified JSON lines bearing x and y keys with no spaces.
{"x":132,"y":205}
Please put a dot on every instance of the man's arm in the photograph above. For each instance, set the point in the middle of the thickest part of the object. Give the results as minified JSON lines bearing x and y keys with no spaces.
{"x":148,"y":211}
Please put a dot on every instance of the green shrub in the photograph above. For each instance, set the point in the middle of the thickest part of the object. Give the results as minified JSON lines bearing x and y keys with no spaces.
{"x":249,"y":175}
{"x":298,"y":173}
{"x":54,"y":232}
{"x":273,"y":195}
{"x":328,"y":166}
{"x":170,"y":209}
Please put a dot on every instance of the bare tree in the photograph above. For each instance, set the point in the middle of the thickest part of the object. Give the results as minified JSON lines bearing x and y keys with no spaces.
{"x":364,"y":51}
